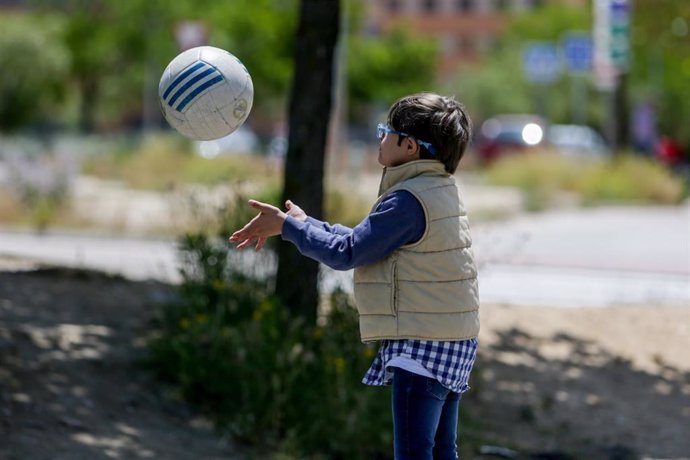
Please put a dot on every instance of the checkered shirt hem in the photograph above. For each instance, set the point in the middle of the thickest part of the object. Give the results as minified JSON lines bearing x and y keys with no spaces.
{"x":449,"y":362}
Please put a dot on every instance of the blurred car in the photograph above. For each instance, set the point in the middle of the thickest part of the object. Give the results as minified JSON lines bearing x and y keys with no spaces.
{"x":507,"y":134}
{"x":243,"y":140}
{"x":577,"y":141}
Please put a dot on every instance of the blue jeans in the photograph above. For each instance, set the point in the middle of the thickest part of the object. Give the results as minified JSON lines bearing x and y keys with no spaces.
{"x":425,"y":418}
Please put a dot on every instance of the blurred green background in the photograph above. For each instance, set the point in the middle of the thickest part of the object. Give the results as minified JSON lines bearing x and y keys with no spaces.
{"x":83,"y":144}
{"x":95,"y":65}
{"x":89,"y":90}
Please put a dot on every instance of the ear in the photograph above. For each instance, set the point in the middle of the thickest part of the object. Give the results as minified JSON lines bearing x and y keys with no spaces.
{"x":411,"y":146}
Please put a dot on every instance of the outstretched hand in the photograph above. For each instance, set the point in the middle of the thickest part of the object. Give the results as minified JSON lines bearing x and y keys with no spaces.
{"x":295,"y":211}
{"x":269,"y":222}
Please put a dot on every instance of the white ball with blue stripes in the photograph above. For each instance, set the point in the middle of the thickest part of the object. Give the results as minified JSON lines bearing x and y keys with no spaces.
{"x":206,"y":93}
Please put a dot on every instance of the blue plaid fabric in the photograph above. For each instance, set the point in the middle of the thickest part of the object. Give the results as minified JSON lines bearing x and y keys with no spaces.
{"x":450,"y":362}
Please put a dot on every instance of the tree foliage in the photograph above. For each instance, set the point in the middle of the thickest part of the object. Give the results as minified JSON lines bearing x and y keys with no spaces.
{"x":548,"y":23}
{"x":34,"y":65}
{"x":382,"y":70}
{"x":117,"y":50}
{"x":660,"y":68}
{"x":262,"y":34}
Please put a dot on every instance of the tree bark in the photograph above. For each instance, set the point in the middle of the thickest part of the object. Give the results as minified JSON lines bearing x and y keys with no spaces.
{"x":87,"y":110}
{"x":621,"y":114}
{"x":309,"y":113}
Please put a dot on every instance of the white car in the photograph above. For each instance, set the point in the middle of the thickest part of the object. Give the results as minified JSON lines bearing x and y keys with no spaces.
{"x":241,"y":141}
{"x":577,"y":140}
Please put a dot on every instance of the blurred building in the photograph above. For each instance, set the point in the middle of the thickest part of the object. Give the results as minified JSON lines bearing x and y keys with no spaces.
{"x":9,"y":4}
{"x":465,"y":29}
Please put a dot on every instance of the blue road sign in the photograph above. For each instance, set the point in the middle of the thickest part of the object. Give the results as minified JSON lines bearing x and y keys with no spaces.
{"x":541,"y":62}
{"x":577,"y":52}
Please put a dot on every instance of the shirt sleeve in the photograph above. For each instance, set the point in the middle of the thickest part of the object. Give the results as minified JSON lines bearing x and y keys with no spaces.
{"x":396,"y":221}
{"x":335,"y":228}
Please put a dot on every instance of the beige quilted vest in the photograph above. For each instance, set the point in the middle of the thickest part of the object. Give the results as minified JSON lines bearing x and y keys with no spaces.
{"x":428,"y":289}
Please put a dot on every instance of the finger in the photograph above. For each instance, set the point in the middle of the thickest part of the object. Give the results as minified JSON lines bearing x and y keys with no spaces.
{"x":288,"y":204}
{"x":245,"y":231}
{"x":262,"y":207}
{"x":260,"y":242}
{"x":235,"y":238}
{"x":239,"y":235}
{"x":245,"y":243}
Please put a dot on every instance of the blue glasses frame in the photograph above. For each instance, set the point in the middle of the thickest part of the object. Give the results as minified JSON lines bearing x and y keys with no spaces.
{"x":382,"y":130}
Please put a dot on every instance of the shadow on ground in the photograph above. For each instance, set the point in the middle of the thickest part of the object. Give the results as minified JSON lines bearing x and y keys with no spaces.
{"x":70,"y":385}
{"x":561,"y":397}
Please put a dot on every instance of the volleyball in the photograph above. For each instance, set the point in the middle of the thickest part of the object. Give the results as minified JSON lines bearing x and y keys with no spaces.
{"x":206,"y":93}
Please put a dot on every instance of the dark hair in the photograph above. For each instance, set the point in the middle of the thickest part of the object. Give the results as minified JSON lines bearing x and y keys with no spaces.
{"x":433,"y":118}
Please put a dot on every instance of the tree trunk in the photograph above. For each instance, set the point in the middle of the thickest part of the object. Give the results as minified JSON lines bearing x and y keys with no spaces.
{"x":87,"y":109}
{"x":310,"y":111}
{"x":621,"y":114}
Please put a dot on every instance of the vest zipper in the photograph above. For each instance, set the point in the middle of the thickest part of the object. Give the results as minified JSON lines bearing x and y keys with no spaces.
{"x":394,"y":287}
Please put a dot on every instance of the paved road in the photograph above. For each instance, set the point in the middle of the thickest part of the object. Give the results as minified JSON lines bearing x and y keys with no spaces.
{"x":573,"y":258}
{"x":592,"y":257}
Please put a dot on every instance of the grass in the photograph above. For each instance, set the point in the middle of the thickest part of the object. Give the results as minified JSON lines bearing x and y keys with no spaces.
{"x":163,"y":163}
{"x":623,"y":179}
{"x":38,"y":214}
{"x":166,"y":163}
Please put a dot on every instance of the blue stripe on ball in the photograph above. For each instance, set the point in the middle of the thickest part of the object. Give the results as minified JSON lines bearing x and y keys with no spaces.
{"x":198,"y":90}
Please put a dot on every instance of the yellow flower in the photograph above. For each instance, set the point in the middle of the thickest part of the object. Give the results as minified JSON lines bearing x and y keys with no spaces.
{"x":201,"y":318}
{"x":339,"y":365}
{"x":263,"y":308}
{"x":184,"y":323}
{"x":218,"y":285}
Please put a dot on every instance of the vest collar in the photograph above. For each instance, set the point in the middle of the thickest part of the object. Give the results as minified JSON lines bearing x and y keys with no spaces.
{"x":393,"y":175}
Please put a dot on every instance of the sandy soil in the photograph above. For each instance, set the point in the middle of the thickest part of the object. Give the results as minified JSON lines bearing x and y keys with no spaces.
{"x":550,"y":383}
{"x":70,"y":384}
{"x":595,"y":383}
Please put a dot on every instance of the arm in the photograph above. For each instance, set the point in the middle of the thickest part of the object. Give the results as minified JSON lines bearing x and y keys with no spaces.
{"x":335,"y":228}
{"x":397,"y":220}
{"x":270,"y":220}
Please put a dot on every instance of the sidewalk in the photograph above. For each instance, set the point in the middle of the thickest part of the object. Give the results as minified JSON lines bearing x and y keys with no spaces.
{"x":595,"y":257}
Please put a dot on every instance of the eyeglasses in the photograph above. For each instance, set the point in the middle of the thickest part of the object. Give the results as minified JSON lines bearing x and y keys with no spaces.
{"x":382,"y":130}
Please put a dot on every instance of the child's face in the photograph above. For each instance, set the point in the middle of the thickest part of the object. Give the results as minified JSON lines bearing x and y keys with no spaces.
{"x":392,"y":154}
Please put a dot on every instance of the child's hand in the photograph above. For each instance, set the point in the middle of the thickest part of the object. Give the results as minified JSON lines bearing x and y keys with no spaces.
{"x":295,"y":211}
{"x":269,"y":222}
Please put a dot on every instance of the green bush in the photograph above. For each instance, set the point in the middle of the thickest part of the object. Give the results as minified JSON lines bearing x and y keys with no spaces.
{"x":270,"y":379}
{"x":35,"y":65}
{"x":624,"y":179}
{"x":344,"y":207}
{"x":631,"y":179}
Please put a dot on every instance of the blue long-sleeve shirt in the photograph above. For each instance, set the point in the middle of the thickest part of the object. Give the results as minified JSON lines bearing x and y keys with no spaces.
{"x":397,"y":220}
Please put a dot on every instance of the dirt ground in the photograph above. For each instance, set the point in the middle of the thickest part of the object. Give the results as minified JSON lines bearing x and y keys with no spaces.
{"x":550,"y":383}
{"x":71,"y":387}
{"x":610,"y":383}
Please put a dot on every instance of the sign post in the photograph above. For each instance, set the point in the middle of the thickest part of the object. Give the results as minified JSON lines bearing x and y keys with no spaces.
{"x":611,"y":63}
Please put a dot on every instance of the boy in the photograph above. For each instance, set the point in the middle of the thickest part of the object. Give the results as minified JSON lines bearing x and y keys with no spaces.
{"x":415,"y":277}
